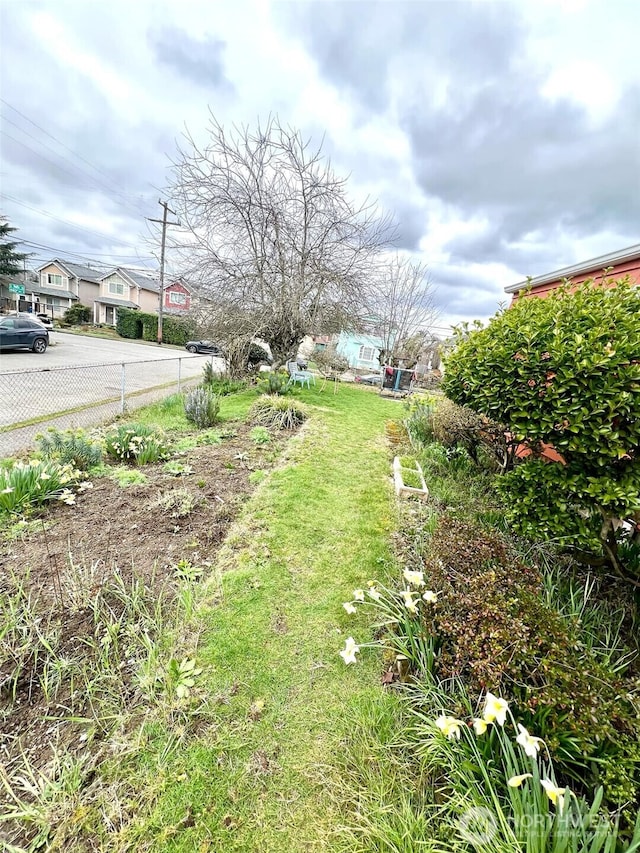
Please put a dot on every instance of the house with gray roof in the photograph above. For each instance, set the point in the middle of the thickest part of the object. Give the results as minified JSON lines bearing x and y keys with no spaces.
{"x":125,"y":288}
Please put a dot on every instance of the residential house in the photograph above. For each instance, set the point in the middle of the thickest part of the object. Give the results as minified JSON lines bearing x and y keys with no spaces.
{"x":361,"y":350}
{"x":613,"y":266}
{"x":177,"y":297}
{"x":60,"y":284}
{"x":124,"y":288}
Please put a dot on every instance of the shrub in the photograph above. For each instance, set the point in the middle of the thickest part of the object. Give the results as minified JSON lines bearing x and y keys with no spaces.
{"x":275,"y":383}
{"x":563,"y":371}
{"x":129,"y":323}
{"x":258,"y":355}
{"x":136,"y":443}
{"x":70,"y":446}
{"x":77,"y":314}
{"x":27,"y":484}
{"x":201,"y":407}
{"x":275,"y":412}
{"x":494,"y":631}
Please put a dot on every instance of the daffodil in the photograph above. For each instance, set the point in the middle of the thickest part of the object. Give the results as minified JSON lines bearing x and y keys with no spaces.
{"x":414,"y":578}
{"x":67,"y":497}
{"x":555,"y":794}
{"x":372,"y":592}
{"x":358,"y":594}
{"x":480,"y":726}
{"x":408,"y":600}
{"x":349,"y":607}
{"x":495,"y":709}
{"x":516,"y":781}
{"x":449,"y":726}
{"x":430,"y":596}
{"x":6,"y":491}
{"x":351,"y":649}
{"x":45,"y":476}
{"x":530,"y":744}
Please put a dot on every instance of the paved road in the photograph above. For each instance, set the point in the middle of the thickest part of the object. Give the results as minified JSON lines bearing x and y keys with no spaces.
{"x":85,"y":377}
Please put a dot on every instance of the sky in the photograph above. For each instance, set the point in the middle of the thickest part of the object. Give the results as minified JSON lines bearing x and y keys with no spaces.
{"x":504,"y":137}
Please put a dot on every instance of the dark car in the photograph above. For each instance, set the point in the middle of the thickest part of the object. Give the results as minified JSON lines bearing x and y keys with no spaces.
{"x":46,"y":319}
{"x":23,"y":333}
{"x":207,"y":347}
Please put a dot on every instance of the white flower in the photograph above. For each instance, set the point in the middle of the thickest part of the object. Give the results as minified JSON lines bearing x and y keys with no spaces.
{"x":530,"y":744}
{"x":430,"y":596}
{"x":6,"y":491}
{"x":84,"y":485}
{"x":408,"y":600}
{"x":449,"y":726}
{"x":495,"y":709}
{"x":358,"y":594}
{"x":348,"y":654}
{"x":516,"y":781}
{"x":349,"y":607}
{"x":372,"y":592}
{"x":555,"y":794}
{"x":45,"y":476}
{"x":67,"y":497}
{"x":480,"y":726}
{"x":414,"y":578}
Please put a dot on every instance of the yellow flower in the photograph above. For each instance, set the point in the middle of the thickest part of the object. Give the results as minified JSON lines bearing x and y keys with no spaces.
{"x":555,"y":794}
{"x":45,"y":476}
{"x":358,"y":594}
{"x":516,"y":781}
{"x":480,"y":726}
{"x":430,"y":596}
{"x":348,"y":654}
{"x":530,"y":744}
{"x":409,"y":603}
{"x":349,"y":607}
{"x":414,"y":578}
{"x":373,"y":593}
{"x":449,"y":726}
{"x":495,"y":709}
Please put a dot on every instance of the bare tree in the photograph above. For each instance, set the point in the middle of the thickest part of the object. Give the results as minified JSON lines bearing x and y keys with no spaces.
{"x":402,"y":306}
{"x":276,"y":242}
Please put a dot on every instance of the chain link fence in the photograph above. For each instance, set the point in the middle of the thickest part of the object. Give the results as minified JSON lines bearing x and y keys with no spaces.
{"x":31,"y":401}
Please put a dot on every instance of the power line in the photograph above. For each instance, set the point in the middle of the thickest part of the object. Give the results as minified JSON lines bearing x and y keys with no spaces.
{"x":70,"y":150}
{"x":87,"y":255}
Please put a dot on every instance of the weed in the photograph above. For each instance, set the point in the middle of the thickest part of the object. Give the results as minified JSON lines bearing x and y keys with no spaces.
{"x":177,"y":469}
{"x":178,"y":503}
{"x":260,"y":435}
{"x":127,"y":477}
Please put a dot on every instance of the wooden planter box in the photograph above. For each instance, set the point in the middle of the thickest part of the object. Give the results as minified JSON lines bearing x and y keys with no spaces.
{"x":402,"y":490}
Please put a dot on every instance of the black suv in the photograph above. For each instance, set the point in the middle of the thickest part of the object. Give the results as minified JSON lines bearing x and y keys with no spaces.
{"x":23,"y":333}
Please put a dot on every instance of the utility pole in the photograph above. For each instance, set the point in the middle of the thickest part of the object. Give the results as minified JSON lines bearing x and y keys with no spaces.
{"x":165,"y":209}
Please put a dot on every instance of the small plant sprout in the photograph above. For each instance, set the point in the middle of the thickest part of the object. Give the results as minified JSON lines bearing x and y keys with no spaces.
{"x":414,"y":578}
{"x":495,"y":709}
{"x":449,"y":726}
{"x":430,"y":596}
{"x":186,"y":571}
{"x":351,"y":649}
{"x":349,"y":607}
{"x":555,"y":794}
{"x":516,"y":781}
{"x":181,"y":676}
{"x":530,"y":744}
{"x":358,"y":594}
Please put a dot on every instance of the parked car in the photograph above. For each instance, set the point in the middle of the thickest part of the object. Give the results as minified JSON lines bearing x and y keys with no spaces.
{"x":46,"y":319}
{"x":207,"y":347}
{"x":42,"y":318}
{"x":19,"y":332}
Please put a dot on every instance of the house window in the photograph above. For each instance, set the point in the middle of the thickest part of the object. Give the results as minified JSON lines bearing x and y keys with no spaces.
{"x":52,"y":279}
{"x":367,"y":353}
{"x":176,"y":298}
{"x":116,"y":286}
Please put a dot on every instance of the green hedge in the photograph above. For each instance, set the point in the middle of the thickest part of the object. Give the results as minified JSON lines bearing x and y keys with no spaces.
{"x":137,"y":324}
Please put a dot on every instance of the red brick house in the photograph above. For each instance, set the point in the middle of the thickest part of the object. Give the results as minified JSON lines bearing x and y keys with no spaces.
{"x":177,"y":297}
{"x":613,"y":266}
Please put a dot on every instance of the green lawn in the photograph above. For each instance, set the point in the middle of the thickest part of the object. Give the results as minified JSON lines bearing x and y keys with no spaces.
{"x":263,"y":774}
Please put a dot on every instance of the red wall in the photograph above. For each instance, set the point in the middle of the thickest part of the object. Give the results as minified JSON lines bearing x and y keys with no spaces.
{"x":177,"y":287}
{"x":617,"y":271}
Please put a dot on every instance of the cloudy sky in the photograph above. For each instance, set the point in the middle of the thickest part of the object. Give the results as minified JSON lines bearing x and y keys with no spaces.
{"x":505,"y":137}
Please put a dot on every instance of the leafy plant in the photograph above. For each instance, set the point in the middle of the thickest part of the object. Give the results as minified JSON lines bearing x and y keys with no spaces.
{"x":77,"y":314}
{"x":177,"y":469}
{"x":276,"y":412}
{"x":260,"y":435}
{"x":27,"y":484}
{"x":563,"y":372}
{"x":221,"y":385}
{"x":275,"y":383}
{"x":127,"y":477}
{"x":202,"y":407}
{"x":70,"y":446}
{"x":136,"y":443}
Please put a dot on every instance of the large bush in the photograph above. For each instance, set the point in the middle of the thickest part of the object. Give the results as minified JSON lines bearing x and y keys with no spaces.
{"x":77,"y":314}
{"x":563,"y":371}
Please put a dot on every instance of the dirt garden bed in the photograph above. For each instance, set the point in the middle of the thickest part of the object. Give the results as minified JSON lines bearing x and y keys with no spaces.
{"x":59,"y":578}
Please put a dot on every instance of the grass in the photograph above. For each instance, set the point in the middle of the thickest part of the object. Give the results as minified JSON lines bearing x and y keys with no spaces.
{"x":265,"y":773}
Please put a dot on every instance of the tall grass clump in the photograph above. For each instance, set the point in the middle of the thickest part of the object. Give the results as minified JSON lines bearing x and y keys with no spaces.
{"x":277,"y":412}
{"x":202,"y":407}
{"x":70,"y":446}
